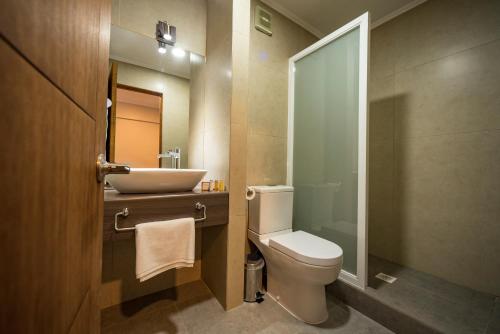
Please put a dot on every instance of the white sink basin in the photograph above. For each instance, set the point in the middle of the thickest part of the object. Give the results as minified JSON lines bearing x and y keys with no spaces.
{"x":156,"y":180}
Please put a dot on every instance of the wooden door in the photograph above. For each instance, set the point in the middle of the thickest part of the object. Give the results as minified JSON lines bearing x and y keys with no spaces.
{"x":137,"y":127}
{"x":53,"y":65}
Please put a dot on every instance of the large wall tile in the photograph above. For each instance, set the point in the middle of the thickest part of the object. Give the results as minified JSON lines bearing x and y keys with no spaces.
{"x":446,"y":206}
{"x":384,"y":230}
{"x":479,"y":99}
{"x":268,"y":111}
{"x":115,"y":12}
{"x":459,"y":93}
{"x":219,"y":23}
{"x":237,"y":235}
{"x":237,"y":228}
{"x":238,"y":170}
{"x":266,"y":160}
{"x":216,"y":136}
{"x":427,"y":100}
{"x":440,"y":28}
{"x":268,"y":96}
{"x":241,"y":17}
{"x":423,"y":203}
{"x":381,"y":170}
{"x":382,"y":105}
{"x":382,"y":50}
{"x":424,"y":174}
{"x":477,"y":170}
{"x":240,"y":64}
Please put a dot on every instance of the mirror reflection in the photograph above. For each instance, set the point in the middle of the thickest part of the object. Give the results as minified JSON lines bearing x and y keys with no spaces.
{"x":148,"y":122}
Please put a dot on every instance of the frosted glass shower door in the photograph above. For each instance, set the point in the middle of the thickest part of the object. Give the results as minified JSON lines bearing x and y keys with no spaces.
{"x":327,"y":137}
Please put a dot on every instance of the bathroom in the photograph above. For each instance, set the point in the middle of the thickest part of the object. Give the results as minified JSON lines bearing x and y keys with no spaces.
{"x":345,"y":154}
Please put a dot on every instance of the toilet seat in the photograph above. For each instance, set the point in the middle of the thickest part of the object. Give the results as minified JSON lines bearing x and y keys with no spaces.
{"x":307,"y":248}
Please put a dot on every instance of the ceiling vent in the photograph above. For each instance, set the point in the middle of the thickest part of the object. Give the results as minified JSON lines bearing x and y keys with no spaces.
{"x":263,"y":20}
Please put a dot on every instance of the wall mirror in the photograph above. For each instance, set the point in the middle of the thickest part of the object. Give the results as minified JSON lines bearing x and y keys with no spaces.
{"x":150,"y":93}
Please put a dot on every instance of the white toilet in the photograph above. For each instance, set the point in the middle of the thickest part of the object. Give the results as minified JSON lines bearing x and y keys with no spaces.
{"x":299,"y":264}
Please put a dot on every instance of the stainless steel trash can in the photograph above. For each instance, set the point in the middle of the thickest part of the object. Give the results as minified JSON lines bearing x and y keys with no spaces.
{"x":253,"y":279}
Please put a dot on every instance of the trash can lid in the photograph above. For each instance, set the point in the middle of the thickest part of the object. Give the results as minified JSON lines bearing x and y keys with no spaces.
{"x":254,"y":262}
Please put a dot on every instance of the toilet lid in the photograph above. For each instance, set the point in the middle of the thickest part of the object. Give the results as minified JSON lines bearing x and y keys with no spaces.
{"x":307,"y":248}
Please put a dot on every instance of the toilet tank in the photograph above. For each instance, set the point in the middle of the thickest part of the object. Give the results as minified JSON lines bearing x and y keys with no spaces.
{"x":271,"y":209}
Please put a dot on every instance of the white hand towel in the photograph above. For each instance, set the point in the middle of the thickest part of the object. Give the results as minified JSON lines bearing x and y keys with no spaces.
{"x":163,"y":245}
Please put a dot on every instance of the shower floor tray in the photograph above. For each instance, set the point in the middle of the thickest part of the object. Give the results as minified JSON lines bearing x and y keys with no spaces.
{"x":420,"y":303}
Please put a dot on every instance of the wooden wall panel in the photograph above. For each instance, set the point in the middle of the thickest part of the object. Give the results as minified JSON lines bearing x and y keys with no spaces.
{"x":54,"y":65}
{"x":83,"y":322}
{"x":100,"y":147}
{"x":47,"y":149}
{"x":61,"y":39}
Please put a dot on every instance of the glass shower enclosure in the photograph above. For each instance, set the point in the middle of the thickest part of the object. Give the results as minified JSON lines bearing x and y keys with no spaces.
{"x":327,"y":142}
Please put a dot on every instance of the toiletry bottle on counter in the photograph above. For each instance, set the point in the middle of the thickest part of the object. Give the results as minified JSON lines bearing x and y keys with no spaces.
{"x":216,"y":185}
{"x":221,"y":185}
{"x":205,"y":186}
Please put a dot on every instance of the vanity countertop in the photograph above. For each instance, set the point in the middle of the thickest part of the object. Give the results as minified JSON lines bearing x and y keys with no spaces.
{"x":112,"y":195}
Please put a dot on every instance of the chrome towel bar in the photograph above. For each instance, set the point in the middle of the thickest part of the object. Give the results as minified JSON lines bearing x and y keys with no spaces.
{"x":125,"y":212}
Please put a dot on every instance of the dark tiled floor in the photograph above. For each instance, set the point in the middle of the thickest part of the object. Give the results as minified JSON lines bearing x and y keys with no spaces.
{"x":421,"y":303}
{"x":494,"y":323}
{"x":191,"y":308}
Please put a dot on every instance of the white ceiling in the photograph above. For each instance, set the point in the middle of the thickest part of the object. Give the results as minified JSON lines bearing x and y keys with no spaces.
{"x":321,"y":17}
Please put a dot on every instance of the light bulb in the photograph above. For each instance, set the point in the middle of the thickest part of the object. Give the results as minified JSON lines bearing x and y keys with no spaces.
{"x":178,"y":52}
{"x":167,"y":36}
{"x":162,"y":50}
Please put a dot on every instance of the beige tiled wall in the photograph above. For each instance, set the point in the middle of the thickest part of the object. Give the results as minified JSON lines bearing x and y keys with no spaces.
{"x":189,"y":17}
{"x":226,"y":118}
{"x":257,"y":125}
{"x":217,"y":90}
{"x":214,"y":124}
{"x":268,"y":96}
{"x":237,"y":227}
{"x":176,"y":95}
{"x":435,"y":141}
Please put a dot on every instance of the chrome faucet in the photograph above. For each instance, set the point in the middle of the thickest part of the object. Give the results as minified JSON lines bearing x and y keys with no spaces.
{"x":175,"y":156}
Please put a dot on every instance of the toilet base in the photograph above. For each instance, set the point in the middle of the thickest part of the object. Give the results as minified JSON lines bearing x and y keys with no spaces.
{"x":305,"y":302}
{"x":293,"y":314}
